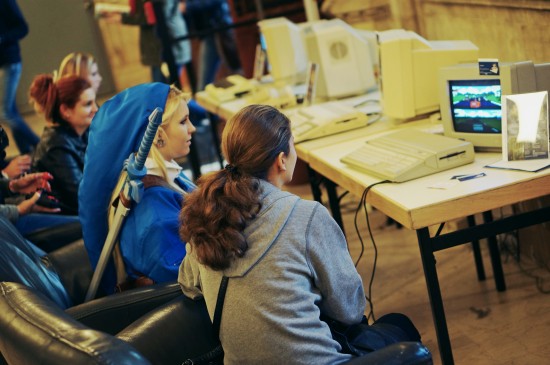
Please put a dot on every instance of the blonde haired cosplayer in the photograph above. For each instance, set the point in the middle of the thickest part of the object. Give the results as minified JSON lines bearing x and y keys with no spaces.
{"x":174,"y":99}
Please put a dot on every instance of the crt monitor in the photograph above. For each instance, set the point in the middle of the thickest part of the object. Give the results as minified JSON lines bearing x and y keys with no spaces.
{"x":282,"y":41}
{"x":470,"y":102}
{"x":344,"y":58}
{"x":409,"y":67}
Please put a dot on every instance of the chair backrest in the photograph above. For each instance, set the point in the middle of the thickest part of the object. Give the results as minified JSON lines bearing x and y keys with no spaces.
{"x":53,"y":238}
{"x":34,"y":330}
{"x":179,"y":330}
{"x":112,"y":313}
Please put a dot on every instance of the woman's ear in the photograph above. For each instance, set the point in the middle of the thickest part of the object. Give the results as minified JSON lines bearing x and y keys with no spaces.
{"x":281,"y":161}
{"x":65,"y":111}
{"x":161,"y":134}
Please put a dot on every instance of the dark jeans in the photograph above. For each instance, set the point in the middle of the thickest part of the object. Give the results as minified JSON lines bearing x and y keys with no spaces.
{"x":21,"y":262}
{"x":25,"y":138}
{"x":30,"y":223}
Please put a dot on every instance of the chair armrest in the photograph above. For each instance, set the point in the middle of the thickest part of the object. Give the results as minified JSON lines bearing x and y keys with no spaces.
{"x":112,"y":313}
{"x":179,"y":330}
{"x":34,"y":330}
{"x":400,"y":353}
{"x":52,"y":238}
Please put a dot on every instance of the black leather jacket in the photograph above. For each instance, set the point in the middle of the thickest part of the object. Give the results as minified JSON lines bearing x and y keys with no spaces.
{"x":61,"y":153}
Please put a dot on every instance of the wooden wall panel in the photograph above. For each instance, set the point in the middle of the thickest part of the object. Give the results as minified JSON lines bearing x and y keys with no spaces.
{"x":511,"y":30}
{"x":122,"y":47}
{"x":375,"y":14}
{"x":507,"y":30}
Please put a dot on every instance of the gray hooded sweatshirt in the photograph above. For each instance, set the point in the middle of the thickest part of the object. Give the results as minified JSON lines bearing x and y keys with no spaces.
{"x":297,"y":266}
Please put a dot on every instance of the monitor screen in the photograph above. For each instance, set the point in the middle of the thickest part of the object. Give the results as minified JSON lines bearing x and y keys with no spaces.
{"x":476,"y":106}
{"x":470,"y":102}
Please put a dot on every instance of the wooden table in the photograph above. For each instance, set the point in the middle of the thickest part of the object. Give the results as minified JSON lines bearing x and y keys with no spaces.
{"x":420,"y":203}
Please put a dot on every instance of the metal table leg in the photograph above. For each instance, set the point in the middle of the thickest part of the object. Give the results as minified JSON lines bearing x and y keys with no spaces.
{"x":194,"y":160}
{"x":495,"y":255}
{"x":434,"y":293}
{"x":334,"y":203}
{"x":215,"y":137}
{"x":314,"y":184}
{"x":477,"y":252}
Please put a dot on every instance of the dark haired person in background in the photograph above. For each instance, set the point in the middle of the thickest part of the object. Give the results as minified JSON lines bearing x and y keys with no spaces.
{"x":13,"y":28}
{"x":211,"y":19}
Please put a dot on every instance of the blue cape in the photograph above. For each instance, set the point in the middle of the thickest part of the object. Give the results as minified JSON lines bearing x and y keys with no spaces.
{"x":116,"y":132}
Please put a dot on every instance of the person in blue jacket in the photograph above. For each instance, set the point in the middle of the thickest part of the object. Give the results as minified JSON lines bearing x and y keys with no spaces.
{"x":150,"y":250}
{"x":13,"y":28}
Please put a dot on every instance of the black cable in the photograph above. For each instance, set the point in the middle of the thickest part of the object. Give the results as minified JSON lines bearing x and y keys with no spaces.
{"x":342,"y":196}
{"x":363,"y":203}
{"x":357,"y":228}
{"x":510,"y":245}
{"x":539,"y":280}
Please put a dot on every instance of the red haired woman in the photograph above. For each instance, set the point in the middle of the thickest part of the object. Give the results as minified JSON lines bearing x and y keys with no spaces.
{"x":68,"y":106}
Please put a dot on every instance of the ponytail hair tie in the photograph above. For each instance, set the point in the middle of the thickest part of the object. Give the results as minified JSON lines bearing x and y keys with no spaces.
{"x":231,"y":168}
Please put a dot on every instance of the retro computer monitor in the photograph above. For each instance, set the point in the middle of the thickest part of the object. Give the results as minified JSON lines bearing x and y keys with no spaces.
{"x":471,"y":103}
{"x":344,"y":57}
{"x":282,"y":41}
{"x":409,"y":70}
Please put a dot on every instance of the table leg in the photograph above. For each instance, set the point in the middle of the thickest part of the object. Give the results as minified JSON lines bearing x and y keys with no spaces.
{"x":495,"y":255}
{"x":194,"y":160}
{"x":434,"y":293}
{"x":334,"y":203}
{"x":477,"y":252}
{"x":215,"y":137}
{"x":314,"y":184}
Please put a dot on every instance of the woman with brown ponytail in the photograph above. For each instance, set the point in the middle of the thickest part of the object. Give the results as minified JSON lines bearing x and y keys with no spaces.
{"x":68,"y":105}
{"x":286,"y":258}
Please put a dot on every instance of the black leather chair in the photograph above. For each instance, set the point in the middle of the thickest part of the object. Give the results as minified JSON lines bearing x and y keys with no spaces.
{"x":34,"y":330}
{"x":52,"y":238}
{"x":64,"y":275}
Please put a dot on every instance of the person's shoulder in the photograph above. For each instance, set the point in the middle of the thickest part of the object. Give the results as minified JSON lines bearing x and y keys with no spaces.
{"x":310,"y":205}
{"x":160,"y":195}
{"x":55,"y":134}
{"x":59,"y":138}
{"x":308,"y":210}
{"x":316,"y":212}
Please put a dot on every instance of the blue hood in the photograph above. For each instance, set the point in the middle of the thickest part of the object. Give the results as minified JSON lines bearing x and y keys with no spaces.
{"x":116,"y":132}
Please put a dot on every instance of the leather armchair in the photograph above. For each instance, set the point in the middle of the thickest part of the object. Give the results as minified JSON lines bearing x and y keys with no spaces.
{"x":52,"y":238}
{"x":64,"y":275}
{"x":34,"y":330}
